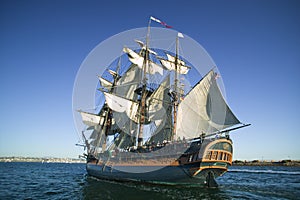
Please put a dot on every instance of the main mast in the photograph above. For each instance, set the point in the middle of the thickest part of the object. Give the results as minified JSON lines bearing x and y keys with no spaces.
{"x":144,"y":91}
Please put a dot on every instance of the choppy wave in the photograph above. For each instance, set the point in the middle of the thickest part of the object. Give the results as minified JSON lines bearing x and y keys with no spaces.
{"x":267,"y":171}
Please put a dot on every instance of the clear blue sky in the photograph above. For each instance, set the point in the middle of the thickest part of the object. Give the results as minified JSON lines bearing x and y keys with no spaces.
{"x":255,"y":44}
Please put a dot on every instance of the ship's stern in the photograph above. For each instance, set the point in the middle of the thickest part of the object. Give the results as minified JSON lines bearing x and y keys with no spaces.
{"x":216,"y":157}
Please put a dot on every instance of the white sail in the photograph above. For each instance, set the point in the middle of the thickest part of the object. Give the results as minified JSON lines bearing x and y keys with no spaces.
{"x":105,"y":83}
{"x":170,"y":64}
{"x":128,"y":83}
{"x":91,"y":119}
{"x":96,"y":121}
{"x":120,"y":104}
{"x":160,"y":112}
{"x":173,"y":58}
{"x":204,"y":110}
{"x":137,"y":59}
{"x":134,"y":57}
{"x":157,"y":100}
{"x":113,"y":129}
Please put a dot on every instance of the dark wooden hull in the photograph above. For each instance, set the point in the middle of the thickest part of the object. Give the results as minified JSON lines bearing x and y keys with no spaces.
{"x":190,"y":168}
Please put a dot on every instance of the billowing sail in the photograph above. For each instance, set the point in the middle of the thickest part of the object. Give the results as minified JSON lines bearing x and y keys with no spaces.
{"x":204,"y":110}
{"x":120,"y":104}
{"x":91,"y":119}
{"x":128,"y":83}
{"x":137,"y":59}
{"x":157,"y":100}
{"x":160,"y":110}
{"x":170,"y":64}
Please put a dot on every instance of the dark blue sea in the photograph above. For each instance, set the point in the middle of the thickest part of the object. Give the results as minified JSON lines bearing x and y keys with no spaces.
{"x":70,"y":181}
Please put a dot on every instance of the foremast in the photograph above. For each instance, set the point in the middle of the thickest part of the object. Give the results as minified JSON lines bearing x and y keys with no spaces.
{"x":102,"y":122}
{"x":108,"y":116}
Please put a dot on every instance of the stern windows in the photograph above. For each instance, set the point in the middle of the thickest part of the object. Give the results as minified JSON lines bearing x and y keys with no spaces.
{"x":222,"y":146}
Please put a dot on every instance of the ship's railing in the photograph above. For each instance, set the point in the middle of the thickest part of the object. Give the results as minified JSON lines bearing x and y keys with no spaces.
{"x":166,"y":153}
{"x":217,"y":155}
{"x":136,"y":158}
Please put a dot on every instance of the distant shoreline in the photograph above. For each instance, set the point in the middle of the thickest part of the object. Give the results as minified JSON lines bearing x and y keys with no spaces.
{"x":41,"y":160}
{"x":295,"y":163}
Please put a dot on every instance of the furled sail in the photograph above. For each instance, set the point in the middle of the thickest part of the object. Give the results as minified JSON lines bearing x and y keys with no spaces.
{"x":105,"y":83}
{"x":204,"y":110}
{"x":91,"y":119}
{"x":170,"y":64}
{"x":113,"y":73}
{"x":120,"y":104}
{"x":143,"y":46}
{"x":137,"y":59}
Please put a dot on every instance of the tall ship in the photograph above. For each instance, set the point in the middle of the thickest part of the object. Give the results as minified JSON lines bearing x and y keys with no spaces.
{"x":152,"y":126}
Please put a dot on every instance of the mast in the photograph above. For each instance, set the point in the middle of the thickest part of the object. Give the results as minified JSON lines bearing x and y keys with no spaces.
{"x":87,"y":144}
{"x":175,"y":97}
{"x":144,"y":92}
{"x":108,"y":118}
{"x":109,"y":112}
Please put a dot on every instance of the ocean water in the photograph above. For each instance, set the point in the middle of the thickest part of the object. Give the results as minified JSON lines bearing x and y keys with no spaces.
{"x":70,"y":181}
